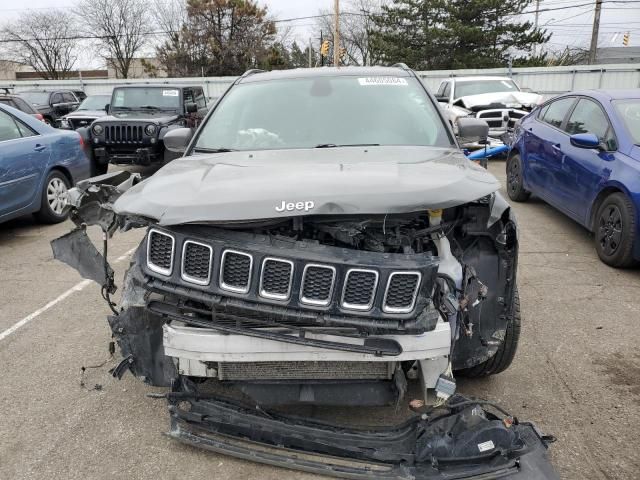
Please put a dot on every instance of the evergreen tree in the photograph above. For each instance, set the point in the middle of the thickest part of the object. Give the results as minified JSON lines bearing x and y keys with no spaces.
{"x":452,"y":34}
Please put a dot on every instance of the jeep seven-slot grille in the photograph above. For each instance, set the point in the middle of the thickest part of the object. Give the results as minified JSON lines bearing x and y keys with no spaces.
{"x":236,"y":271}
{"x":317,"y":284}
{"x":401,"y":292}
{"x":300,"y":284}
{"x":123,"y":133}
{"x":275,"y":281}
{"x":160,"y":252}
{"x":196,"y":262}
{"x":359,"y":289}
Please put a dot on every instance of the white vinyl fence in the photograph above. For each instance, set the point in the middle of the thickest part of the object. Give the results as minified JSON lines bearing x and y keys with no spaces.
{"x":548,"y":81}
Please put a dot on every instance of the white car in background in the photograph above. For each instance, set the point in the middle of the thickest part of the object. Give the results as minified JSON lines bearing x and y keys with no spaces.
{"x":497,"y":100}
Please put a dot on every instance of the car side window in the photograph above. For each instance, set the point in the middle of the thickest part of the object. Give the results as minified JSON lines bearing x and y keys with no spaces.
{"x":588,"y":117}
{"x":24,"y":129}
{"x":9,"y":129}
{"x":447,"y":90}
{"x":554,"y":113}
{"x":68,"y":97}
{"x":56,"y":98}
{"x":188,"y":95}
{"x":200,"y":100}
{"x":440,"y":91}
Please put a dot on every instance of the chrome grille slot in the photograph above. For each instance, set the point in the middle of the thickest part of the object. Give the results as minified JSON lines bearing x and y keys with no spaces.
{"x":401,"y":292}
{"x":123,"y":133}
{"x":196,"y":262}
{"x":160,"y":251}
{"x":359,"y":289}
{"x":276,"y":278}
{"x":235,"y":271}
{"x":317,"y":284}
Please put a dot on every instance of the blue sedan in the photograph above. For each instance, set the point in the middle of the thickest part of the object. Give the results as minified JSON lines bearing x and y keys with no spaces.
{"x":38,"y":164}
{"x":580,"y":152}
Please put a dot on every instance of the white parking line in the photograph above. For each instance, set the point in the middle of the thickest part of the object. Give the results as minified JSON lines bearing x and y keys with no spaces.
{"x":76,"y":288}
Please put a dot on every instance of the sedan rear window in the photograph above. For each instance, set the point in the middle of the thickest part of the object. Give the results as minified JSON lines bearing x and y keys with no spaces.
{"x":629,"y":111}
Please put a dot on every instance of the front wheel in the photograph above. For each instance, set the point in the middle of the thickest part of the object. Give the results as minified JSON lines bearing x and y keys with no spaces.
{"x":515,"y":179}
{"x":54,"y":198}
{"x":615,"y":231}
{"x":507,"y":349}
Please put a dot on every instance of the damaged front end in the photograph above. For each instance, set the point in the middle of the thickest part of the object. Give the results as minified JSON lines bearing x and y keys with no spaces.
{"x":331,"y":307}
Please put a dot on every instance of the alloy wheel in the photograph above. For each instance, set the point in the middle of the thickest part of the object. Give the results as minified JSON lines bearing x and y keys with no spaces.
{"x":610,"y":229}
{"x":56,"y":195}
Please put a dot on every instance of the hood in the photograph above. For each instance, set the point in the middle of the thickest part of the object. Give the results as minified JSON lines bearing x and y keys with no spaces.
{"x":159,"y":118}
{"x":508,"y":99}
{"x":242,"y":186}
{"x":86,"y":113}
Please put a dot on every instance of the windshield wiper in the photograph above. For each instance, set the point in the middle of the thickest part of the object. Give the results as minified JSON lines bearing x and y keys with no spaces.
{"x":333,"y":145}
{"x":212,"y":150}
{"x":121,"y":108}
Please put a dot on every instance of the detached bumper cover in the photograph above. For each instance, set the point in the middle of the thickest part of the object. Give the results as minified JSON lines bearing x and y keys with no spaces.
{"x":460,"y":441}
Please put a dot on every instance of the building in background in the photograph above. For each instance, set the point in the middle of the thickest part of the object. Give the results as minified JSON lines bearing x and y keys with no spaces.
{"x":9,"y":68}
{"x":148,"y":67}
{"x":609,"y":55}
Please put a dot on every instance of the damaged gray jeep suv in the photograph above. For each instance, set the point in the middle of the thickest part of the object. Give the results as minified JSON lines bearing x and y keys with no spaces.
{"x":322,"y":241}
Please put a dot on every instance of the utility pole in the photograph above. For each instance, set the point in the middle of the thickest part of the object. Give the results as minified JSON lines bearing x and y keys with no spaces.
{"x":594,"y":33}
{"x":535,"y":25}
{"x":310,"y":62}
{"x":336,"y":34}
{"x":321,"y":55}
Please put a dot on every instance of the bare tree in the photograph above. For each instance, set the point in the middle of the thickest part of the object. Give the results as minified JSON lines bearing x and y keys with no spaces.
{"x":121,"y":27}
{"x":356,"y":22}
{"x":45,"y":41}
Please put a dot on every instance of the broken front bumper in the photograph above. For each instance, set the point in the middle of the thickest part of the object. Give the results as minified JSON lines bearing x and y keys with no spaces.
{"x":463,"y":440}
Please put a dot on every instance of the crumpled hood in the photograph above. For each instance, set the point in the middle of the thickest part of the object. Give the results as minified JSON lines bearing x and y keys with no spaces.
{"x":86,"y":113}
{"x":509,"y":99}
{"x":241,"y":186}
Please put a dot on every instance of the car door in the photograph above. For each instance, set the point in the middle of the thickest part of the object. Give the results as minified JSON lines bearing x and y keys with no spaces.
{"x":542,"y":140}
{"x":70,"y":101}
{"x":57,"y":105}
{"x":584,"y":169}
{"x":23,"y":160}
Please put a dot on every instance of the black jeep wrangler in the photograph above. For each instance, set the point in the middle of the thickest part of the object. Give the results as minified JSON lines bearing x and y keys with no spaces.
{"x":139,"y":117}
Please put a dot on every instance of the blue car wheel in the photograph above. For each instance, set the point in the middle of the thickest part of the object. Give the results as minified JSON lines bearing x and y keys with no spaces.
{"x":515,"y":180}
{"x":54,"y":198}
{"x":614,"y":231}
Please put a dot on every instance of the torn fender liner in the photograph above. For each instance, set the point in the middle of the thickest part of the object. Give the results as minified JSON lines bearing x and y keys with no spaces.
{"x":460,"y":440}
{"x":76,"y":250}
{"x":139,"y":336}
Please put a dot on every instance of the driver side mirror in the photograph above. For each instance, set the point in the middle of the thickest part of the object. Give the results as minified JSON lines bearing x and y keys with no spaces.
{"x":191,"y":107}
{"x":106,"y":108}
{"x":178,"y":139}
{"x":585,"y":140}
{"x":473,"y":128}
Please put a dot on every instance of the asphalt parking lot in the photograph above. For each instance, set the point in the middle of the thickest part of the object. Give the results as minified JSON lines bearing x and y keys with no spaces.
{"x":577,"y":372}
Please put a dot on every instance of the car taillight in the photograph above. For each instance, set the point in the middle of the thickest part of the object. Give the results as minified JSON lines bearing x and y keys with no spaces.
{"x":39,"y":116}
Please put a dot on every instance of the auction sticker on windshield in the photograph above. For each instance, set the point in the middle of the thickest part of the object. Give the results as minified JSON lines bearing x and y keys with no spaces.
{"x":170,"y":93}
{"x":383,"y":81}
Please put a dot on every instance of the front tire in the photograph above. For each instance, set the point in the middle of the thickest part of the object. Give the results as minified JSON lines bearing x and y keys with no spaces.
{"x":507,"y":349}
{"x":515,"y":179}
{"x":615,"y":231}
{"x":54,"y":198}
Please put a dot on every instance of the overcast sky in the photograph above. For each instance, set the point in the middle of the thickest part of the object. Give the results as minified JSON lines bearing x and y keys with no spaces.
{"x":570,"y":24}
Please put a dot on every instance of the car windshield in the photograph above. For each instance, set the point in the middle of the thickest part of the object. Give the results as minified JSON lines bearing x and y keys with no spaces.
{"x":324,"y":112}
{"x":95,"y":102}
{"x":477,"y":87}
{"x":629,"y":111}
{"x":164,"y":98}
{"x":36,"y":98}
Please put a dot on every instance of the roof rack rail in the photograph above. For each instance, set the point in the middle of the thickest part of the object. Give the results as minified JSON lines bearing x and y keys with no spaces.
{"x":251,"y":72}
{"x":400,"y":65}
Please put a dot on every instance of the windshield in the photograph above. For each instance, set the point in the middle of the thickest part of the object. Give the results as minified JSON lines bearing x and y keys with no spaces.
{"x":476,"y":87}
{"x":324,"y":112}
{"x":36,"y":98}
{"x":629,"y":111}
{"x":144,"y":98}
{"x":95,"y":102}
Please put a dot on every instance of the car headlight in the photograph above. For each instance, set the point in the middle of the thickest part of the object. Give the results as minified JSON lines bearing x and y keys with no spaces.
{"x":97,"y":129}
{"x":150,"y":129}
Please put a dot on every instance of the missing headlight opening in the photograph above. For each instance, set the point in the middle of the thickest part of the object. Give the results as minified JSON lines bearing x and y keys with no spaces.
{"x":384,"y":281}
